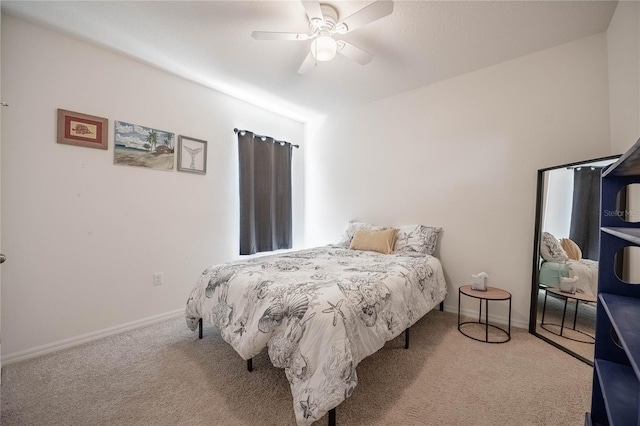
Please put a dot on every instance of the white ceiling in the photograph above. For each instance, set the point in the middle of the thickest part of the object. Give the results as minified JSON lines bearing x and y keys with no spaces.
{"x":420,"y":43}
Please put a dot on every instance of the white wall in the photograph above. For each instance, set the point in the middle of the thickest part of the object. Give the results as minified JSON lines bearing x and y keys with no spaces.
{"x":623,"y":45}
{"x":85,"y":236}
{"x":463,"y":154}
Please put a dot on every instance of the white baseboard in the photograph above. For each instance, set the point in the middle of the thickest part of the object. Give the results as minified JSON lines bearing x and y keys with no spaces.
{"x":84,"y":338}
{"x":493,"y":319}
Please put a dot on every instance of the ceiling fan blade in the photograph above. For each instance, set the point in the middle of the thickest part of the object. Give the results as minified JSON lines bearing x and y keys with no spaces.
{"x":312,"y":7}
{"x":355,"y":53}
{"x":268,"y":35}
{"x":308,"y":63}
{"x":367,"y":14}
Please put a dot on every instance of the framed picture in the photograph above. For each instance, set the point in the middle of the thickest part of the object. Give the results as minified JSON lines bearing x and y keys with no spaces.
{"x":141,"y":146}
{"x":79,"y":129}
{"x":192,"y":155}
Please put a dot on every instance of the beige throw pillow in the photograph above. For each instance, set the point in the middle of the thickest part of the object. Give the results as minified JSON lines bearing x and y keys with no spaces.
{"x":353,"y":226}
{"x":572,"y":249}
{"x":380,"y":241}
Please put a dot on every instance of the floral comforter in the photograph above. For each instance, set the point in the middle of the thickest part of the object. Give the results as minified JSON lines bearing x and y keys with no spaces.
{"x":320,"y":311}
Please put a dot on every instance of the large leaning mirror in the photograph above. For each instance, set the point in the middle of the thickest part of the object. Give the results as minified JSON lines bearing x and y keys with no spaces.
{"x":565,"y":256}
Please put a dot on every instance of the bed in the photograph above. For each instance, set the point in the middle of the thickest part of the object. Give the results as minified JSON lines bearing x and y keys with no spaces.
{"x":563,"y":259}
{"x":585,"y":269}
{"x":320,"y":311}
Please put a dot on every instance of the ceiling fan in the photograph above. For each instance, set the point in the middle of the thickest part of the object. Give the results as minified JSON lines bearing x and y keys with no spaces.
{"x":324,"y":26}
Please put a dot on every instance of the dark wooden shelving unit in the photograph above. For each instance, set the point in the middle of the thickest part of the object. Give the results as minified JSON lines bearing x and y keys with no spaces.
{"x":616,"y":375}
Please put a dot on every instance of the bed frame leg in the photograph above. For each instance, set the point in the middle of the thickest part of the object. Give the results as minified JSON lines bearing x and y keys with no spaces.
{"x":250,"y":364}
{"x":332,"y":417}
{"x":406,"y":338}
{"x":441,"y":306}
{"x":200,"y":328}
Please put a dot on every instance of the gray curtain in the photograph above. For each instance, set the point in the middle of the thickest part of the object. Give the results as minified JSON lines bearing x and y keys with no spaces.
{"x":585,"y":212}
{"x":265,"y":194}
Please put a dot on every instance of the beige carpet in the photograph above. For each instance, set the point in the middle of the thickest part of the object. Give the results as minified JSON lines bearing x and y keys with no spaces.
{"x":164,"y":375}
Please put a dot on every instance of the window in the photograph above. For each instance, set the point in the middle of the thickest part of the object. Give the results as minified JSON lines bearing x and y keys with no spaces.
{"x":265,"y":193}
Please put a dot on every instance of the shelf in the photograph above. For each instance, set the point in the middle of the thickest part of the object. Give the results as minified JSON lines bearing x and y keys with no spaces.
{"x":627,"y":165}
{"x":628,"y":234}
{"x":624,"y":313}
{"x":616,"y":389}
{"x":620,"y":392}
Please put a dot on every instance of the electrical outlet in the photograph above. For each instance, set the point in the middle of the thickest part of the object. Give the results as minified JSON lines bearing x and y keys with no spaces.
{"x":157,"y":278}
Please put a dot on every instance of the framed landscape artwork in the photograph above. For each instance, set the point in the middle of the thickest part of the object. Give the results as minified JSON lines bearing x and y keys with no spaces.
{"x":141,"y":146}
{"x":75,"y":128}
{"x":192,"y":155}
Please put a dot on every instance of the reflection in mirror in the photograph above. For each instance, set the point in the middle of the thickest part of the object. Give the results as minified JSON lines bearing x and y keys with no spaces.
{"x":627,"y":263}
{"x":628,"y":203}
{"x":565,"y":271}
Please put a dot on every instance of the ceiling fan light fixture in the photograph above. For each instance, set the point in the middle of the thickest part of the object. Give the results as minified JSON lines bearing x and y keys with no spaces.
{"x":324,"y":48}
{"x":324,"y":25}
{"x":341,"y":28}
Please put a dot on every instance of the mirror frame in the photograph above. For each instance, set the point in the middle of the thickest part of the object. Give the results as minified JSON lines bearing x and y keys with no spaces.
{"x":535,"y":275}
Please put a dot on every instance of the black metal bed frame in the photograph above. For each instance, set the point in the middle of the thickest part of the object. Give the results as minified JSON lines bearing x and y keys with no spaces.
{"x":332,"y":412}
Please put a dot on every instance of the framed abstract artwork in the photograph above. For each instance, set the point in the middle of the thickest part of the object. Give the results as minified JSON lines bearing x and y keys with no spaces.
{"x":79,"y":129}
{"x":141,"y":146}
{"x":192,"y":155}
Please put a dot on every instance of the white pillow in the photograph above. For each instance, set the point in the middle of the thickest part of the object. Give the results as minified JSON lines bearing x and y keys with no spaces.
{"x":551,"y":250}
{"x":417,"y":239}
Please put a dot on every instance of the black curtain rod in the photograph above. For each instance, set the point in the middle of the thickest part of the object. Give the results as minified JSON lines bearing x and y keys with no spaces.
{"x":584,"y":167}
{"x":236,"y":131}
